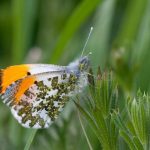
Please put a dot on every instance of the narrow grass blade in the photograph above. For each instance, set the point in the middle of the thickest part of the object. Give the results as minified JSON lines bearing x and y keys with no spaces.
{"x":88,"y":118}
{"x":138,"y":143}
{"x":82,"y":126}
{"x":100,"y":40}
{"x":128,"y":140}
{"x":30,"y":139}
{"x":131,"y":22}
{"x":74,"y":22}
{"x":18,"y":31}
{"x":23,"y":20}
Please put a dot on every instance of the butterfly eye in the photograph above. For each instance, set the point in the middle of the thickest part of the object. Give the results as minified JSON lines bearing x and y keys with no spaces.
{"x":81,"y":67}
{"x":84,"y":63}
{"x":28,"y":73}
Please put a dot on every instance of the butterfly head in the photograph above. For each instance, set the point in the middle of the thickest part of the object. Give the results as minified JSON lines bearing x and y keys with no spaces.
{"x":84,"y":63}
{"x":79,"y":66}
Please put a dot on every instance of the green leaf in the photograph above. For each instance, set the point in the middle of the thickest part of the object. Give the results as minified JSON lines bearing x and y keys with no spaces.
{"x":142,"y":53}
{"x":138,"y":143}
{"x":128,"y":140}
{"x":99,"y":42}
{"x":115,"y":116}
{"x":76,"y":19}
{"x":131,"y":22}
{"x":23,"y":20}
{"x":122,"y":51}
{"x":89,"y":119}
{"x":89,"y":144}
{"x":102,"y":127}
{"x":30,"y":139}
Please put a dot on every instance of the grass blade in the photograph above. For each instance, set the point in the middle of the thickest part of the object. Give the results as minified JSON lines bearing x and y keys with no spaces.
{"x":128,"y":140}
{"x":88,"y":118}
{"x":30,"y":139}
{"x":77,"y":18}
{"x":82,"y":126}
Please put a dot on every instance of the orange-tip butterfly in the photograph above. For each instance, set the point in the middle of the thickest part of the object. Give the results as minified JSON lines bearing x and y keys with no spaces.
{"x":37,"y":93}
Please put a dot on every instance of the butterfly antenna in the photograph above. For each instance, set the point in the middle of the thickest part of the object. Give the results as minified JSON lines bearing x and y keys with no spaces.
{"x":91,"y":29}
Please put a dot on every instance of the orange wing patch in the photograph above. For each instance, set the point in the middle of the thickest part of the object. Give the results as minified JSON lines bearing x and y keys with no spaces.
{"x":26,"y":83}
{"x":1,"y":73}
{"x":11,"y":74}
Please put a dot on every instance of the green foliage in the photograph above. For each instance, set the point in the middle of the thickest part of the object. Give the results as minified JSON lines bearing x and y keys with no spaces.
{"x":102,"y":99}
{"x":55,"y":31}
{"x":125,"y":50}
{"x":135,"y":129}
{"x":77,"y":16}
{"x":110,"y":122}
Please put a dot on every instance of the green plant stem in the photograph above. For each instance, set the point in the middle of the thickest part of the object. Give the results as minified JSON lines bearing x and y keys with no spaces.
{"x":30,"y":139}
{"x":84,"y":132}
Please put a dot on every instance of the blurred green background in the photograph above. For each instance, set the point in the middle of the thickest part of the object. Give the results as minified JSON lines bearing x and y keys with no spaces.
{"x":55,"y":31}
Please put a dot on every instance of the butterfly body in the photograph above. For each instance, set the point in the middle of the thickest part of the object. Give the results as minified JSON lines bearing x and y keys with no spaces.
{"x":37,"y":93}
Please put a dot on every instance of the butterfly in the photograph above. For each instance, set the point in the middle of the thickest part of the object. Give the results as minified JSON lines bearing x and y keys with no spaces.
{"x":37,"y":93}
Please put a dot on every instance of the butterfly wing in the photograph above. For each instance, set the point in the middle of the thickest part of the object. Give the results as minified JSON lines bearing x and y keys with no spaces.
{"x":14,"y":73}
{"x":37,"y":99}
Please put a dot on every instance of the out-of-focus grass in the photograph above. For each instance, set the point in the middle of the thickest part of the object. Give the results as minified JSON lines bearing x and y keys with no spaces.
{"x":77,"y":18}
{"x":142,"y":53}
{"x":52,"y":25}
{"x":99,"y":44}
{"x":23,"y":19}
{"x":123,"y":46}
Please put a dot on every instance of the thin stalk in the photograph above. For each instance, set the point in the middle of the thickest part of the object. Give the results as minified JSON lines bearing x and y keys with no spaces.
{"x":30,"y":139}
{"x":84,"y":132}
